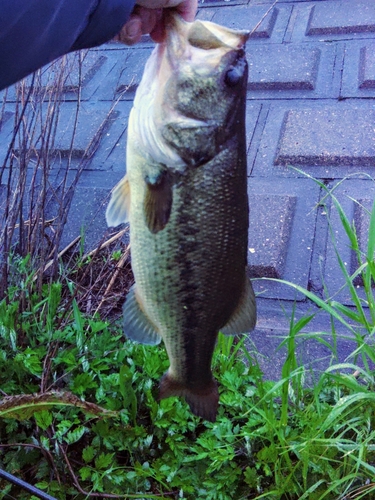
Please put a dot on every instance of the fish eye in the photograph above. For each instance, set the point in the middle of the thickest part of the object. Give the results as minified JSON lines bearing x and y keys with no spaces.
{"x":233,"y":77}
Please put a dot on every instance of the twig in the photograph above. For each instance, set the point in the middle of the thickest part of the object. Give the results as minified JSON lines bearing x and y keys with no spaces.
{"x":26,"y":445}
{"x":74,"y":294}
{"x":51,"y":353}
{"x":107,"y":243}
{"x":38,"y":447}
{"x":41,"y":222}
{"x":100,"y":495}
{"x":60,"y":254}
{"x":114,"y":277}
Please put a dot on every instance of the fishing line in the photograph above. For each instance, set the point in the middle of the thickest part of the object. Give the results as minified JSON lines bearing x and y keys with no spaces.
{"x":264,"y":16}
{"x":26,"y":486}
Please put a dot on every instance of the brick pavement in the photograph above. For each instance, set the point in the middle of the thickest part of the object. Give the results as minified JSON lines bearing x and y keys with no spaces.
{"x":310,"y":106}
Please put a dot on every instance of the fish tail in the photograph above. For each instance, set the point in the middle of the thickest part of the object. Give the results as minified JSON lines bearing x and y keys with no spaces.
{"x":203,"y":403}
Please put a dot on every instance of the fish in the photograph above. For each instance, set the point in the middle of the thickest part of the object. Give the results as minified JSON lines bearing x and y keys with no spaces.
{"x":185,"y":198}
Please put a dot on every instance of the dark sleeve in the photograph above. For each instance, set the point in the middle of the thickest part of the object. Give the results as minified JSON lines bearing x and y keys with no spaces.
{"x":35,"y":32}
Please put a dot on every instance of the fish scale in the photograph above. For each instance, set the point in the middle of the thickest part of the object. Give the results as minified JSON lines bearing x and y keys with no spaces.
{"x":185,"y":196}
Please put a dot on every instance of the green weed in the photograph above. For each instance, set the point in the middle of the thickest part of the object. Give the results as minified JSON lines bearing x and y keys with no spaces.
{"x":79,"y":415}
{"x":97,"y":426}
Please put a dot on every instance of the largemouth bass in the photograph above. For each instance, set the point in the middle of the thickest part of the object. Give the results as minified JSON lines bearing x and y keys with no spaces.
{"x":185,"y":196}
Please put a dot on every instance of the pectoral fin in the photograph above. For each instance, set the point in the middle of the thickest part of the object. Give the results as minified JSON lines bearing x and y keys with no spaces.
{"x":137,"y":325}
{"x":158,"y":201}
{"x":244,"y":317}
{"x":118,"y":209}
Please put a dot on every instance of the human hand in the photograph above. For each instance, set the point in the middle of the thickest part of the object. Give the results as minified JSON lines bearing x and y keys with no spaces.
{"x":147,"y":17}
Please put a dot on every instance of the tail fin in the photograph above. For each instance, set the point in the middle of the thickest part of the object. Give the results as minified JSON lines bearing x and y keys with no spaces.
{"x":203,"y":403}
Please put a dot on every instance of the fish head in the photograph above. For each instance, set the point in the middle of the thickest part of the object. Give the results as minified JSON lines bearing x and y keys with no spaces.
{"x":205,"y":76}
{"x":191,"y":99}
{"x":207,"y":69}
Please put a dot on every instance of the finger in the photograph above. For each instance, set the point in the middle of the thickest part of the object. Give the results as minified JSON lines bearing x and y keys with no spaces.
{"x":158,"y":33}
{"x":149,"y":18}
{"x":142,"y":21}
{"x":131,"y":32}
{"x":158,"y":4}
{"x":188,"y":9}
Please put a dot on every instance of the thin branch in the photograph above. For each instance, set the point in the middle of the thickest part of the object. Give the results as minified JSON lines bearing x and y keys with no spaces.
{"x":114,"y":238}
{"x":263,"y":18}
{"x":114,"y":277}
{"x":91,"y":494}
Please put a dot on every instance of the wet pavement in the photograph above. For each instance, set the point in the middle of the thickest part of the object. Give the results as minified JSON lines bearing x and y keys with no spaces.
{"x":310,"y":113}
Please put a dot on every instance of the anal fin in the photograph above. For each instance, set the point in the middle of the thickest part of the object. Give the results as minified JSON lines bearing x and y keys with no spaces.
{"x":118,"y":209}
{"x":137,"y":325}
{"x":244,"y":317}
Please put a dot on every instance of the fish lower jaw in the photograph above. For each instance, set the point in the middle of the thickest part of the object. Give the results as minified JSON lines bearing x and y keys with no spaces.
{"x":203,"y":402}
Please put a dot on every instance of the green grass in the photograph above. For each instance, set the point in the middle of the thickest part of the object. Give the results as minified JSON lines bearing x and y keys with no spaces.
{"x":79,"y":415}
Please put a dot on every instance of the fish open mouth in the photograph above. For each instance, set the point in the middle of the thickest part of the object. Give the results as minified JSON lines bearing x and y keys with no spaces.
{"x":205,"y":35}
